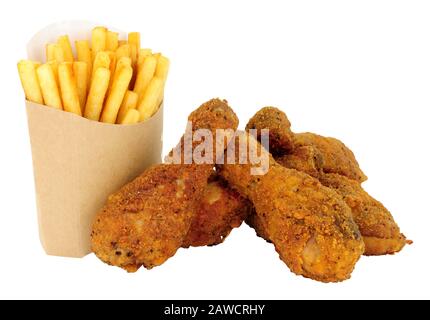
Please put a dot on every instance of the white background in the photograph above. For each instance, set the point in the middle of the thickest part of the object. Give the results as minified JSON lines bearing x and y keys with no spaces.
{"x":356,"y":70}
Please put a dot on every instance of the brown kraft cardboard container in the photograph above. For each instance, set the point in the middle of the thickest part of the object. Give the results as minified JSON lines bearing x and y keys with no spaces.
{"x":78,"y":163}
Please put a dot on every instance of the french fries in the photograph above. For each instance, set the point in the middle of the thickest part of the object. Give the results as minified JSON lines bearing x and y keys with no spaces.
{"x":54,"y":66}
{"x":132,"y":116}
{"x":134,"y":42}
{"x":157,"y":55}
{"x":29,"y":81}
{"x":97,"y":94}
{"x":122,"y":62}
{"x":134,"y":39}
{"x":162,"y":68}
{"x":148,"y":106}
{"x":144,"y":75}
{"x":64,"y":44}
{"x":116,"y":95}
{"x":111,"y":41}
{"x":112,"y":64}
{"x":111,"y":80}
{"x":81,"y":75}
{"x":123,"y":51}
{"x":69,"y":90}
{"x":59,"y":54}
{"x":129,"y":102}
{"x":143,"y":53}
{"x":161,"y":72}
{"x":98,"y":40}
{"x":102,"y":60}
{"x":50,"y":52}
{"x":83,"y":51}
{"x":49,"y":86}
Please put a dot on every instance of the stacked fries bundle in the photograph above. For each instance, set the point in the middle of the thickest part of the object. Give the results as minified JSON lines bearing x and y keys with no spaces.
{"x":111,"y":80}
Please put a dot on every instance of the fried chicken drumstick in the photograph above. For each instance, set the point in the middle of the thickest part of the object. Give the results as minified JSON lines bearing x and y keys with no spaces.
{"x":147,"y":220}
{"x":309,"y":224}
{"x":220,"y":210}
{"x":330,"y":161}
{"x":335,"y":157}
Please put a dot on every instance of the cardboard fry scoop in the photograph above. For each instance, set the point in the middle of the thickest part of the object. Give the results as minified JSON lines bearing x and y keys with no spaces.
{"x":77,"y":162}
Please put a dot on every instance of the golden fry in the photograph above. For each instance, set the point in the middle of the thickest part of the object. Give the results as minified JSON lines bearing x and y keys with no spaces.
{"x":132,"y":116}
{"x":123,"y":51}
{"x":54,"y":66}
{"x":81,"y":75}
{"x":134,"y":39}
{"x":161,"y":72}
{"x":144,"y":75}
{"x":59,"y":54}
{"x":97,"y":93}
{"x":162,"y":68}
{"x":49,"y":87}
{"x":122,"y":62}
{"x":116,"y":95}
{"x":112,"y":64}
{"x":129,"y":102}
{"x":141,"y":56}
{"x":64,"y":43}
{"x":69,"y":90}
{"x":148,"y":106}
{"x":50,"y":52}
{"x":134,"y":42}
{"x":111,"y":41}
{"x":30,"y":84}
{"x":98,"y":40}
{"x":83,"y":51}
{"x":121,"y":43}
{"x":161,"y":96}
{"x":134,"y":66}
{"x":102,"y":60}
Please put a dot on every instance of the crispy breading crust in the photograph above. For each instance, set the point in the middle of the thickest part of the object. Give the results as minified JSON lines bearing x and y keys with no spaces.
{"x":305,"y":159}
{"x":280,"y":135}
{"x":336,"y":157}
{"x":220,"y":210}
{"x":146,"y":221}
{"x":310,"y":225}
{"x":330,"y":161}
{"x":377,"y":226}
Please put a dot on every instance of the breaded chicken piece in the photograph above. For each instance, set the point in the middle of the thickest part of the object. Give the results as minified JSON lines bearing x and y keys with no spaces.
{"x":377,"y":226}
{"x":310,"y":155}
{"x":280,"y":135}
{"x":335,"y":156}
{"x":310,"y":225}
{"x":306,"y":159}
{"x":220,"y":210}
{"x":146,"y":221}
{"x":255,"y":222}
{"x":379,"y":230}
